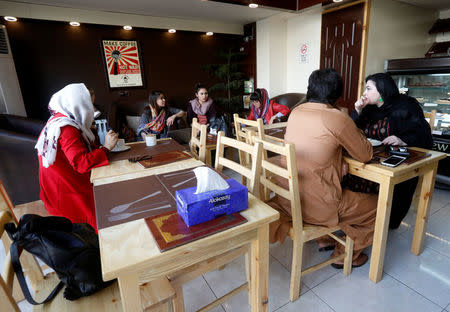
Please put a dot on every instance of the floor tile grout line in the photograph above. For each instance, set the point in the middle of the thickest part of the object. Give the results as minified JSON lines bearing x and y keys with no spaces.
{"x":323,"y":300}
{"x":403,"y":236}
{"x":203,"y":276}
{"x":412,"y":289}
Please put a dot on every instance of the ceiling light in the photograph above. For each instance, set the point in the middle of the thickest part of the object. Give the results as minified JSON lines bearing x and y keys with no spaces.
{"x":337,"y":0}
{"x":10,"y":18}
{"x":209,"y":33}
{"x":76,"y":24}
{"x":253,"y":5}
{"x":127,"y":27}
{"x":172,"y":31}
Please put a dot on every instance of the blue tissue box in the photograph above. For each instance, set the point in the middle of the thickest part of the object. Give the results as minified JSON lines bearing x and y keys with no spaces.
{"x":198,"y":208}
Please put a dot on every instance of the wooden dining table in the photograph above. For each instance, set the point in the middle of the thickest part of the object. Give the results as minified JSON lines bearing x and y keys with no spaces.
{"x":388,"y":177}
{"x":129,"y":252}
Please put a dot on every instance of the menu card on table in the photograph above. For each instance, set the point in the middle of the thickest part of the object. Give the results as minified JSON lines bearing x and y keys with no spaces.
{"x":169,"y":229}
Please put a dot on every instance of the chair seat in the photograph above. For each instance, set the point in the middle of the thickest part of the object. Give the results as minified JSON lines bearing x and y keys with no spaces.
{"x":108,"y":299}
{"x":37,"y":207}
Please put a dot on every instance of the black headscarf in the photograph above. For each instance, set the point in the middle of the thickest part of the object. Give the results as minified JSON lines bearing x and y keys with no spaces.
{"x":406,"y":119}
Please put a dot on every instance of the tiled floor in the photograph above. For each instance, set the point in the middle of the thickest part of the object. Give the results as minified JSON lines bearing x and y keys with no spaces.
{"x":410,"y":283}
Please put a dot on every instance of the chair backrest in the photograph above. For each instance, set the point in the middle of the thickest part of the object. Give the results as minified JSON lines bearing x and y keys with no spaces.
{"x":275,"y":170}
{"x":7,"y":276}
{"x":198,"y":142}
{"x":431,"y":116}
{"x":256,"y":125}
{"x":252,"y":173}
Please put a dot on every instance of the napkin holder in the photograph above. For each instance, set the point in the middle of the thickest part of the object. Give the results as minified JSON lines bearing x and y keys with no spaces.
{"x":198,"y":208}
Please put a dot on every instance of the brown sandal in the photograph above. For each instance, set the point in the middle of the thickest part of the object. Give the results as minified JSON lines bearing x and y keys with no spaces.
{"x":361,"y":260}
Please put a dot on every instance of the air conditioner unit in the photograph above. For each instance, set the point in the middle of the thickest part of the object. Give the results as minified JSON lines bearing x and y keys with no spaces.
{"x":11,"y":101}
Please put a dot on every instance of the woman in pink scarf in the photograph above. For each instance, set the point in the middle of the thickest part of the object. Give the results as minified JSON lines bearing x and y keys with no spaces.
{"x":202,"y":107}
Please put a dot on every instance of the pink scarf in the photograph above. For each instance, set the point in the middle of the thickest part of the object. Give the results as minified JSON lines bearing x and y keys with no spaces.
{"x":200,"y":109}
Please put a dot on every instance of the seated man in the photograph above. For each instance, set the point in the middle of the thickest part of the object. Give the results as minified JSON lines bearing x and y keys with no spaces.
{"x":319,"y":131}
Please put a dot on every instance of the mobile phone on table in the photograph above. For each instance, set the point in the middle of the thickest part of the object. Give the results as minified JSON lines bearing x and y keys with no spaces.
{"x":393,"y":161}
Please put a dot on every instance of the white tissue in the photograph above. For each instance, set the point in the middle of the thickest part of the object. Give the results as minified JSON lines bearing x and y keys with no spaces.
{"x":209,"y":180}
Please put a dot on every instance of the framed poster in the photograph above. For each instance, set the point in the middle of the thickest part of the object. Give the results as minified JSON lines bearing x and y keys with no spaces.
{"x":123,"y":63}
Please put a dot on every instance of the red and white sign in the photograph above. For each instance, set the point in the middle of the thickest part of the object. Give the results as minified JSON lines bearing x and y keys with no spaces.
{"x":304,"y":53}
{"x":123,"y":63}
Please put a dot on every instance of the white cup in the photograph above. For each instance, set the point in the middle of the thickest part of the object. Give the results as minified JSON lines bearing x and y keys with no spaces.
{"x":120,"y":143}
{"x":150,"y":139}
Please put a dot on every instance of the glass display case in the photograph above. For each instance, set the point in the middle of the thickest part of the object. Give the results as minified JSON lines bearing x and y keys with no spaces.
{"x":428,"y":80}
{"x":433,"y":93}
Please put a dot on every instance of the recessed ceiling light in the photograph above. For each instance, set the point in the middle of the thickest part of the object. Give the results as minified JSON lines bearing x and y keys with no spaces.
{"x":172,"y":31}
{"x":76,"y":24}
{"x":337,"y":0}
{"x":10,"y":18}
{"x":127,"y":27}
{"x":253,"y":5}
{"x":209,"y":33}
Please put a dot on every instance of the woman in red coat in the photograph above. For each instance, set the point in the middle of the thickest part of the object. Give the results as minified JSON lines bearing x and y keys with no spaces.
{"x":67,"y":154}
{"x":264,"y":108}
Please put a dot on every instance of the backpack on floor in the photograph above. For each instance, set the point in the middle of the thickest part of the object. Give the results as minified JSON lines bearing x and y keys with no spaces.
{"x":71,"y":249}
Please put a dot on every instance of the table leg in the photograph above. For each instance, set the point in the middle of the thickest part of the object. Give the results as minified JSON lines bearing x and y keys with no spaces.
{"x":260,"y":270}
{"x":426,"y":195}
{"x":130,"y":292}
{"x":381,"y":229}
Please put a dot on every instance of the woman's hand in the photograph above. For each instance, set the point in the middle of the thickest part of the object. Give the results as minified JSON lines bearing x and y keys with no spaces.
{"x":111,"y":139}
{"x":170,"y":120}
{"x":393,"y":140}
{"x":272,"y":119}
{"x":360,"y":104}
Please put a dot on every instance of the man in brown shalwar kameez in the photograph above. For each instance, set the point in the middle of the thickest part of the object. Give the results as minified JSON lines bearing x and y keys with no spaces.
{"x":319,"y":131}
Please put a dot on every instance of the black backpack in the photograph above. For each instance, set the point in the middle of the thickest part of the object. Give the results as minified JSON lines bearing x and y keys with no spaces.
{"x":71,"y":249}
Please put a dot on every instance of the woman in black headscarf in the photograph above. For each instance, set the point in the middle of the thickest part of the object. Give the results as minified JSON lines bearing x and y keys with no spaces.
{"x":395,"y":119}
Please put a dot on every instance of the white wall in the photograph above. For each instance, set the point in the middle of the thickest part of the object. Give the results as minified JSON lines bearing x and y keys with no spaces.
{"x":397,"y":30}
{"x":278,"y":42}
{"x":53,"y":13}
{"x":304,"y":28}
{"x":271,"y":54}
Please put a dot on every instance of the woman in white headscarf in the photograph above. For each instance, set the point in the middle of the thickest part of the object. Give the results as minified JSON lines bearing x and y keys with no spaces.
{"x":67,"y":154}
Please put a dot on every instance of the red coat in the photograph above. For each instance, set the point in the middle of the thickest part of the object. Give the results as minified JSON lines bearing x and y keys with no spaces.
{"x":66,"y":189}
{"x":274,"y":108}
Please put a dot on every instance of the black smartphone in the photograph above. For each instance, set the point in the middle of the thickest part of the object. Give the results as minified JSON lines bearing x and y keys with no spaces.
{"x":393,"y":161}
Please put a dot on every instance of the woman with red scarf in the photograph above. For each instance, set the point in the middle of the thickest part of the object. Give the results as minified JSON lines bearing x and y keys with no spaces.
{"x":67,"y":153}
{"x":157,"y":116}
{"x":264,"y":108}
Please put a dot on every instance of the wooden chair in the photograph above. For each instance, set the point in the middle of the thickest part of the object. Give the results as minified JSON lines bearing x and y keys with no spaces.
{"x":299,"y":233}
{"x":431,"y":116}
{"x":156,"y":295}
{"x":200,"y":142}
{"x":415,"y":202}
{"x":177,"y":279}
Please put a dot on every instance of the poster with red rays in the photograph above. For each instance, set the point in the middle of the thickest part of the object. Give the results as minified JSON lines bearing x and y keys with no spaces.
{"x":123,"y":63}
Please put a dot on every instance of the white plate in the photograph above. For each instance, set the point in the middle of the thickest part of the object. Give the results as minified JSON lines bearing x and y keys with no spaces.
{"x":121,"y":149}
{"x":374,"y":142}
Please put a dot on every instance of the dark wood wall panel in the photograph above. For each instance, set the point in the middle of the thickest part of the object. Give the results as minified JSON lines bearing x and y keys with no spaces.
{"x":341,"y":48}
{"x":49,"y":55}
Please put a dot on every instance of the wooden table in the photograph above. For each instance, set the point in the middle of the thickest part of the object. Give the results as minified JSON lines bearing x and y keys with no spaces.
{"x":130,"y":254}
{"x":388,"y":177}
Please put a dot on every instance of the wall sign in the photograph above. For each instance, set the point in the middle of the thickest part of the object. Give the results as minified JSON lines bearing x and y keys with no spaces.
{"x":123,"y":63}
{"x":304,"y":53}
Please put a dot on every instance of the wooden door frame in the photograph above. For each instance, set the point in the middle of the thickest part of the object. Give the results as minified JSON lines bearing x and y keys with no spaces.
{"x":364,"y":37}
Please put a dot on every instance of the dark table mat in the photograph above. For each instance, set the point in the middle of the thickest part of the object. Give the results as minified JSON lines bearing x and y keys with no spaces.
{"x":276,"y":132}
{"x":140,"y":149}
{"x":379,"y":154}
{"x":110,"y":196}
{"x":165,"y":158}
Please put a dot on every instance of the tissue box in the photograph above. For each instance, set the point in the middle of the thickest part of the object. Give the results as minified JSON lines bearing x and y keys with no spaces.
{"x":198,"y":208}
